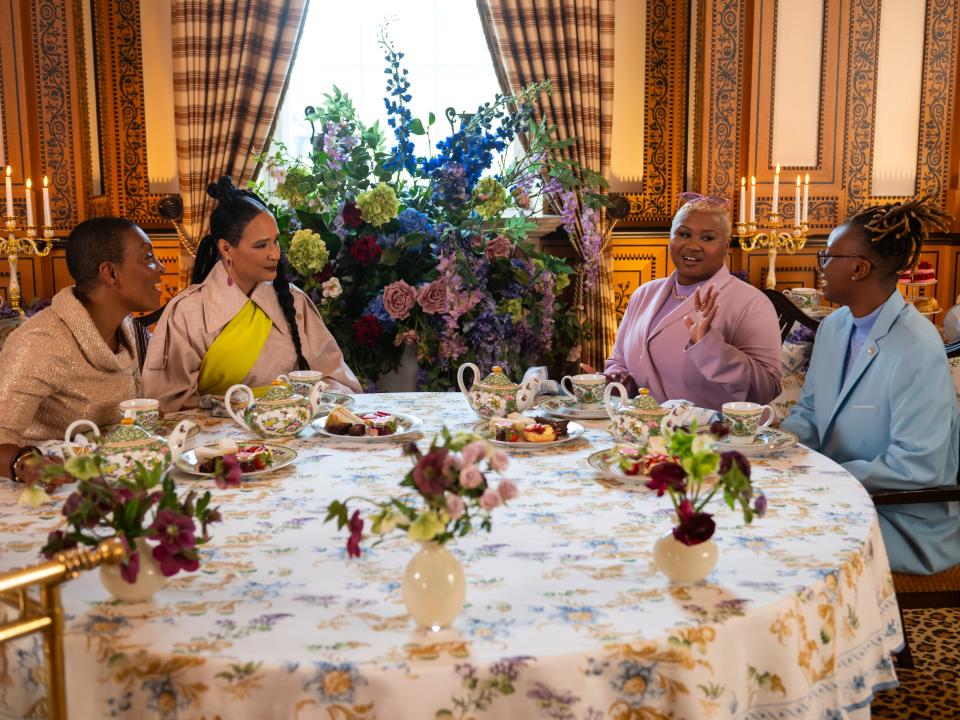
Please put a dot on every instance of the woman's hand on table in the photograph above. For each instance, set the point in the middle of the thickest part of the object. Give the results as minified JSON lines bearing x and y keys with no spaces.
{"x":705,"y":305}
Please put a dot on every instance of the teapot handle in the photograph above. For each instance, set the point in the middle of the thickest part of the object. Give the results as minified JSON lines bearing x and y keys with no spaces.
{"x":476,"y":376}
{"x":607,"y":400}
{"x":228,"y":406}
{"x":315,"y":395}
{"x":68,"y":435}
{"x":178,"y":438}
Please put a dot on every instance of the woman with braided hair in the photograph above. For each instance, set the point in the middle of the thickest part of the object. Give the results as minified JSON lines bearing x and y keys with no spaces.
{"x":878,"y":396}
{"x":240,"y":321}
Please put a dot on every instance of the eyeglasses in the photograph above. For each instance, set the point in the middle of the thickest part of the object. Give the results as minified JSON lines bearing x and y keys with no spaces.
{"x":723,"y":202}
{"x":823,"y":256}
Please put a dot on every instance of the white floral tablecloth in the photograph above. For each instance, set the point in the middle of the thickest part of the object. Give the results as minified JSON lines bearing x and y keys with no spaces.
{"x":565,"y":616}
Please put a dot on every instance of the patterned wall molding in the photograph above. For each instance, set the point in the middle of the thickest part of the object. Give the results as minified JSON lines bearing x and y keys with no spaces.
{"x":665,"y":113}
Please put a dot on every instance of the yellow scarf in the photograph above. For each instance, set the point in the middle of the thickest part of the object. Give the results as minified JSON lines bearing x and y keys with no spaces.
{"x":233,"y":353}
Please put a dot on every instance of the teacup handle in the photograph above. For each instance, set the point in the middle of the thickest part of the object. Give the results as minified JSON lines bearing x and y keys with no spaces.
{"x":228,"y":406}
{"x":76,"y":424}
{"x":284,"y":378}
{"x":607,"y":397}
{"x":563,"y":385}
{"x":770,"y":418}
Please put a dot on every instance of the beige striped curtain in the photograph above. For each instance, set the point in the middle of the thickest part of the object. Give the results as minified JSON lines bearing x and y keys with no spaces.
{"x":569,"y":42}
{"x":231,"y":61}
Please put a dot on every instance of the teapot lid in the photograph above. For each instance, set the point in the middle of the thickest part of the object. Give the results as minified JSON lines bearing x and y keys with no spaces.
{"x":127,"y":431}
{"x":279,"y":390}
{"x":498,"y":378}
{"x":645,"y":401}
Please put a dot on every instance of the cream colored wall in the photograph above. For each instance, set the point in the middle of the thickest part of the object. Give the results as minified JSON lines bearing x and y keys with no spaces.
{"x":626,"y":155}
{"x":158,"y":95}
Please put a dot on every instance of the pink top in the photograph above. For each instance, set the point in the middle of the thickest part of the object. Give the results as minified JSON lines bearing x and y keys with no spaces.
{"x":738,"y":359}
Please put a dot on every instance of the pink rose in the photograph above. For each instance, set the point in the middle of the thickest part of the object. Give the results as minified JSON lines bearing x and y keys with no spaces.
{"x":490,"y":499}
{"x":473,"y":452}
{"x":455,"y":506}
{"x":398,"y":299}
{"x":470,"y":477}
{"x":507,"y":490}
{"x":433,"y":297}
{"x":451,"y":465}
{"x":500,"y":246}
{"x":499,"y":461}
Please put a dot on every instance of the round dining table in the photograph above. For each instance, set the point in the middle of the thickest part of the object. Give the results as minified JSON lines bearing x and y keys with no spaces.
{"x":566,"y":616}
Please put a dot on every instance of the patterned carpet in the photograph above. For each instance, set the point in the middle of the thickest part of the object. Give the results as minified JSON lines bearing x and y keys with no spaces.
{"x":932,"y":690}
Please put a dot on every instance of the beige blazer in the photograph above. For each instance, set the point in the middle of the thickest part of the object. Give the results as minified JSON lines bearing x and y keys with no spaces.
{"x":57,"y":369}
{"x":196,"y":316}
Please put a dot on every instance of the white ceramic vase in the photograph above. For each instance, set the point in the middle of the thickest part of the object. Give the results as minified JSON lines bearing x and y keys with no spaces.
{"x":684,"y":563}
{"x":433,"y":586}
{"x":149,"y":577}
{"x":404,"y":378}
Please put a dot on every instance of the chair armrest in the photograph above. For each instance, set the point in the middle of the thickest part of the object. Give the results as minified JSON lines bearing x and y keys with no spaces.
{"x":916,"y":497}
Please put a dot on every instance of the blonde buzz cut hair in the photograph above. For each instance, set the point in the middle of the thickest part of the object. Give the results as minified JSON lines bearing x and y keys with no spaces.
{"x":703,"y":205}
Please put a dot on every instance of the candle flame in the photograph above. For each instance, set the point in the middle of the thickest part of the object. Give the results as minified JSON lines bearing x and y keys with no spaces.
{"x":806,"y":180}
{"x":798,"y":181}
{"x":29,"y":184}
{"x":743,"y":181}
{"x":44,"y":180}
{"x":9,"y":171}
{"x":753,"y":180}
{"x":778,"y":169}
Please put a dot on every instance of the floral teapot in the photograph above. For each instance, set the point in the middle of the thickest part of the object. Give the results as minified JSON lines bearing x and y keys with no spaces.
{"x":637,"y":420}
{"x":280,"y":412}
{"x":496,"y":395}
{"x":129,"y":444}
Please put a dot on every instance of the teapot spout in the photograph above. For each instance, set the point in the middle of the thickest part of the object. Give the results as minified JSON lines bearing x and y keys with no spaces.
{"x":177,"y":442}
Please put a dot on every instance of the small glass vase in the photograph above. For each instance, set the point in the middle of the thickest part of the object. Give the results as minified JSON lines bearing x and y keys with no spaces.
{"x":433,"y":587}
{"x":149,"y":577}
{"x":684,"y":563}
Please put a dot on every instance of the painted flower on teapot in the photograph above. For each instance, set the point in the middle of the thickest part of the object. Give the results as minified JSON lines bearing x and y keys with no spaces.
{"x":279,"y":412}
{"x":128,"y":444}
{"x":633,"y":421}
{"x":495,"y":395}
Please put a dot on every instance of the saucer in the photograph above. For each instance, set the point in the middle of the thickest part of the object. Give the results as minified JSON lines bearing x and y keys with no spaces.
{"x":566,"y":407}
{"x":768,"y":440}
{"x":574,"y":430}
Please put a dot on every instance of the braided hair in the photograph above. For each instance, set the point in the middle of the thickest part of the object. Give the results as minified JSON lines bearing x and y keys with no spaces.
{"x":234,"y":211}
{"x":894,"y":234}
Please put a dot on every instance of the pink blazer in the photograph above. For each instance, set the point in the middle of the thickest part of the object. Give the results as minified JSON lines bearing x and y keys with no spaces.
{"x":738,"y":359}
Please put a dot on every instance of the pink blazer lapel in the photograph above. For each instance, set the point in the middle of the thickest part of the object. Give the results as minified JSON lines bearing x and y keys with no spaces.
{"x":719,"y":280}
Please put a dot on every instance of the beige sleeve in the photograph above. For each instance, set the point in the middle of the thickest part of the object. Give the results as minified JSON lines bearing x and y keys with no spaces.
{"x":27,"y":379}
{"x":172,"y":366}
{"x":321,"y":349}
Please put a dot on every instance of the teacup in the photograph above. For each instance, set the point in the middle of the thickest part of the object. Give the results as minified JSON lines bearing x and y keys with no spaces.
{"x":144,"y":412}
{"x":586,"y":388}
{"x":302,"y":381}
{"x":804,"y":297}
{"x":744,"y":420}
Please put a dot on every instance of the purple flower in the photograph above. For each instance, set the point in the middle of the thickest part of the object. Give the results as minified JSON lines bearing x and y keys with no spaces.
{"x":667,"y":476}
{"x":428,"y":472}
{"x":728,"y":459}
{"x":760,"y":505}
{"x":355,"y":525}
{"x":697,"y":528}
{"x":228,"y":472}
{"x":130,"y":567}
{"x":174,"y":531}
{"x":173,"y":561}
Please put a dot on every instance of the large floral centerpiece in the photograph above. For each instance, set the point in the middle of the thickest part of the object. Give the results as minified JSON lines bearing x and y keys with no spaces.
{"x":399,"y":250}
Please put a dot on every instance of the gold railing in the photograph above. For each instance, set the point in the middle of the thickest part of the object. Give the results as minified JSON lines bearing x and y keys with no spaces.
{"x":46,"y":615}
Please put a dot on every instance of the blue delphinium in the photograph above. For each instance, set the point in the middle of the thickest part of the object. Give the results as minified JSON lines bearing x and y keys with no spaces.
{"x":375,"y":307}
{"x":399,"y":116}
{"x":412,"y":220}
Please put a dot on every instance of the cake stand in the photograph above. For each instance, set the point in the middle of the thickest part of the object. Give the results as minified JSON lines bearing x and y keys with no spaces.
{"x":913,"y":294}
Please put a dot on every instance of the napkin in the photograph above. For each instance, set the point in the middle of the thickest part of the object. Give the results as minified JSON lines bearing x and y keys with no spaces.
{"x":542,"y":384}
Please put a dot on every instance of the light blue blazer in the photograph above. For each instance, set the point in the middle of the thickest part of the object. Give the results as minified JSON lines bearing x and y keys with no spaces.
{"x":893,"y":424}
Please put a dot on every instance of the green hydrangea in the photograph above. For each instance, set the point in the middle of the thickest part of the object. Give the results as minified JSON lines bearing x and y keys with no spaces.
{"x":295,"y":186}
{"x":563,"y":280}
{"x":489,"y":197}
{"x":308,"y":252}
{"x":513,"y":307}
{"x":378,"y":206}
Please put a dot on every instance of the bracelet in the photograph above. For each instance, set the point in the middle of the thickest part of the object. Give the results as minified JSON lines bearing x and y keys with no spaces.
{"x":21,"y":453}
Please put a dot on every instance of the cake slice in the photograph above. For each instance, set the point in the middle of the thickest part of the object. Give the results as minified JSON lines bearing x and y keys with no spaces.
{"x":340,"y":420}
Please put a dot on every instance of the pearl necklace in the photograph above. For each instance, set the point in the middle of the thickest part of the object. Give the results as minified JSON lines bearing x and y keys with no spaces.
{"x":677,"y":295}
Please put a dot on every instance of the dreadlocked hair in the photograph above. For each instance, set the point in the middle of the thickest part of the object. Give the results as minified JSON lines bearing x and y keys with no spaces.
{"x":234,"y":211}
{"x":895,"y":232}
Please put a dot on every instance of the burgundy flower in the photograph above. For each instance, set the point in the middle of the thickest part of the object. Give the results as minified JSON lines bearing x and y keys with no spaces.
{"x":719,"y":429}
{"x":228,"y":472}
{"x":410,"y":448}
{"x":760,"y":505}
{"x":428,"y":472}
{"x":727,"y":460}
{"x":321,"y":277}
{"x":172,"y":562}
{"x":365,"y":250}
{"x":130,"y":567}
{"x":174,"y":531}
{"x":667,"y":475}
{"x":685,"y":510}
{"x":433,"y":297}
{"x":58,"y":541}
{"x":367,"y":330}
{"x":697,"y":528}
{"x":355,"y":526}
{"x":399,"y":299}
{"x":351,"y":215}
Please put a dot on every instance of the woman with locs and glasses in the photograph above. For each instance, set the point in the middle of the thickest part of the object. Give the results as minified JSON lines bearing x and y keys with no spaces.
{"x":878,"y":397}
{"x":240,"y":321}
{"x":700,"y":334}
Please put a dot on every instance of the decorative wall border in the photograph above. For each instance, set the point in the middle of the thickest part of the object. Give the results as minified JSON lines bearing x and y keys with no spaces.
{"x":725,"y":112}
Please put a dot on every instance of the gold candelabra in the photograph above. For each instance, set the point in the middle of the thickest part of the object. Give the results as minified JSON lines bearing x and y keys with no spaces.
{"x":775,"y":237}
{"x":13,"y":245}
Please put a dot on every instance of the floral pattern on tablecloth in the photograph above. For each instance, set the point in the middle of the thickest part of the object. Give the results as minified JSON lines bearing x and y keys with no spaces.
{"x":565,"y":615}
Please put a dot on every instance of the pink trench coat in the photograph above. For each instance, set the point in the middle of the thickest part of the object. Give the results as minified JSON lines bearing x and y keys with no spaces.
{"x":738,"y":359}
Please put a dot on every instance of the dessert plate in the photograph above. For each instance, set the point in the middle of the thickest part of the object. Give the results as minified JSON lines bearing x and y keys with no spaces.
{"x":406,"y":425}
{"x":608,"y":462}
{"x":482,"y":428}
{"x":282,"y":456}
{"x":566,"y":407}
{"x":768,"y":440}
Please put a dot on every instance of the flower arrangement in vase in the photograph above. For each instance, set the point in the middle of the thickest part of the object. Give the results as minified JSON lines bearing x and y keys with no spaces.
{"x":695,"y":473}
{"x":451,"y":496}
{"x":158,"y":528}
{"x":399,"y":251}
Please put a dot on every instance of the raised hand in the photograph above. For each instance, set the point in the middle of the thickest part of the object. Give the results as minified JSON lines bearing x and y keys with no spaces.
{"x":705,"y":309}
